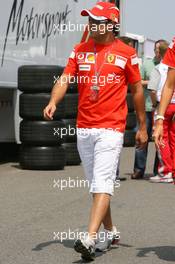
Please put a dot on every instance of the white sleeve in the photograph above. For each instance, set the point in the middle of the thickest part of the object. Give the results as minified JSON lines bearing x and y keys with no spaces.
{"x":154,"y":80}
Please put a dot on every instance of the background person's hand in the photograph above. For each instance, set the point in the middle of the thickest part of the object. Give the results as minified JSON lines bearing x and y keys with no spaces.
{"x":49,"y":111}
{"x":141,"y":138}
{"x":158,"y":135}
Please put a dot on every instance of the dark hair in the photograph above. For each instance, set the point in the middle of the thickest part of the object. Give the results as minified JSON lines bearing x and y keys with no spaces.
{"x":163,"y":47}
{"x":160,"y":41}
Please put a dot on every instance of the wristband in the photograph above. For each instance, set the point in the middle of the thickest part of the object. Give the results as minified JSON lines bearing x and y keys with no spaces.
{"x":159,"y":117}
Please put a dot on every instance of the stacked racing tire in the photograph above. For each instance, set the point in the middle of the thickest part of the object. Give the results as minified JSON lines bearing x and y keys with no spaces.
{"x":46,"y":145}
{"x":70,"y":139}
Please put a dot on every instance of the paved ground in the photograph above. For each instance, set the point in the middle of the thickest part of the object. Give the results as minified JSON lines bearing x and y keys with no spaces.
{"x":32,"y":209}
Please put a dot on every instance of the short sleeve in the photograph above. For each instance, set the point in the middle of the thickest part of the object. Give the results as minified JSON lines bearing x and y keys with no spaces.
{"x":132,"y":69}
{"x":154,"y":80}
{"x":71,"y":67}
{"x":169,"y":58}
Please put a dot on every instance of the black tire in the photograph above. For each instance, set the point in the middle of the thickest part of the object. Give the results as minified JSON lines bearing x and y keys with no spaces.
{"x":42,"y":158}
{"x":9,"y":152}
{"x":130,"y":103}
{"x":70,"y":130}
{"x":129,"y":138}
{"x":131,"y":121}
{"x":41,"y":132}
{"x":31,"y":106}
{"x":71,"y":105}
{"x":72,"y":155}
{"x":38,"y":78}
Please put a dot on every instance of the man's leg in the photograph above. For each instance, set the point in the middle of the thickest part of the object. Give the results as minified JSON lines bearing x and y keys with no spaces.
{"x":106,"y":153}
{"x":86,"y":245}
{"x":109,"y":235}
{"x":86,"y":151}
{"x":107,"y":220}
{"x":106,"y":156}
{"x":100,"y":211}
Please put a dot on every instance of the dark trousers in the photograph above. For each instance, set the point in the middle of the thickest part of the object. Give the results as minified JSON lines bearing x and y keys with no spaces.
{"x":141,"y":154}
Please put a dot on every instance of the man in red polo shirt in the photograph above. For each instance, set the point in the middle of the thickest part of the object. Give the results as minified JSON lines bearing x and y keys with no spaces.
{"x":166,"y":112}
{"x":103,"y":67}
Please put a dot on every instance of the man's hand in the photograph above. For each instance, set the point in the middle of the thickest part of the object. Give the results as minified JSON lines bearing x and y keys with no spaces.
{"x":141,"y":138}
{"x":158,"y":133}
{"x":49,"y":111}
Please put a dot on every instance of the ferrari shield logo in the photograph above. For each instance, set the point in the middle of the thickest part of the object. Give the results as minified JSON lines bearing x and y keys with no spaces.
{"x":111,"y":58}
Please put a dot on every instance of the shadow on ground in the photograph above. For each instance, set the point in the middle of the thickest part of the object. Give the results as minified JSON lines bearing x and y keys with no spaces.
{"x":70,"y":244}
{"x":166,"y":253}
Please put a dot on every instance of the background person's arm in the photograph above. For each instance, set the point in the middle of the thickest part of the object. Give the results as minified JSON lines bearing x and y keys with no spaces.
{"x":153,"y":85}
{"x":166,"y":97}
{"x":167,"y":92}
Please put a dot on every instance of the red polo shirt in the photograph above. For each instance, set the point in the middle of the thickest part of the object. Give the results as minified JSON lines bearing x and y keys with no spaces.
{"x":118,"y":66}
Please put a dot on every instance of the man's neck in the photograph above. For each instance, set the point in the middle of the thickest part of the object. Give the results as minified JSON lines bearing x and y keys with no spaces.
{"x":105,"y":40}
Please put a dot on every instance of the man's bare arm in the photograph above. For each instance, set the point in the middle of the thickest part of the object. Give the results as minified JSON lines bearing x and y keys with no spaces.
{"x":139,"y":103}
{"x":59,"y":89}
{"x":57,"y":95}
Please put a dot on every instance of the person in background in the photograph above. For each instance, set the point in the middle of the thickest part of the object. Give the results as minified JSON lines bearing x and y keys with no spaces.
{"x":128,"y":41}
{"x":141,"y":154}
{"x":164,"y":134}
{"x":155,"y":85}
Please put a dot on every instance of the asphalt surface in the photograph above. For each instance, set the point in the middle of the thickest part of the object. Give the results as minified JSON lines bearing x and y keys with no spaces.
{"x":34,"y":212}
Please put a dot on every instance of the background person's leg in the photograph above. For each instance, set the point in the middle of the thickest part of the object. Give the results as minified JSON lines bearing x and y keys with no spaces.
{"x":172,"y":141}
{"x":156,"y":164}
{"x":165,"y":157}
{"x":141,"y":154}
{"x":165,"y":168}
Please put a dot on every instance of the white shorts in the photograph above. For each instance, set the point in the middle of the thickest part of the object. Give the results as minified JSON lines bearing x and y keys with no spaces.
{"x":99,"y":151}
